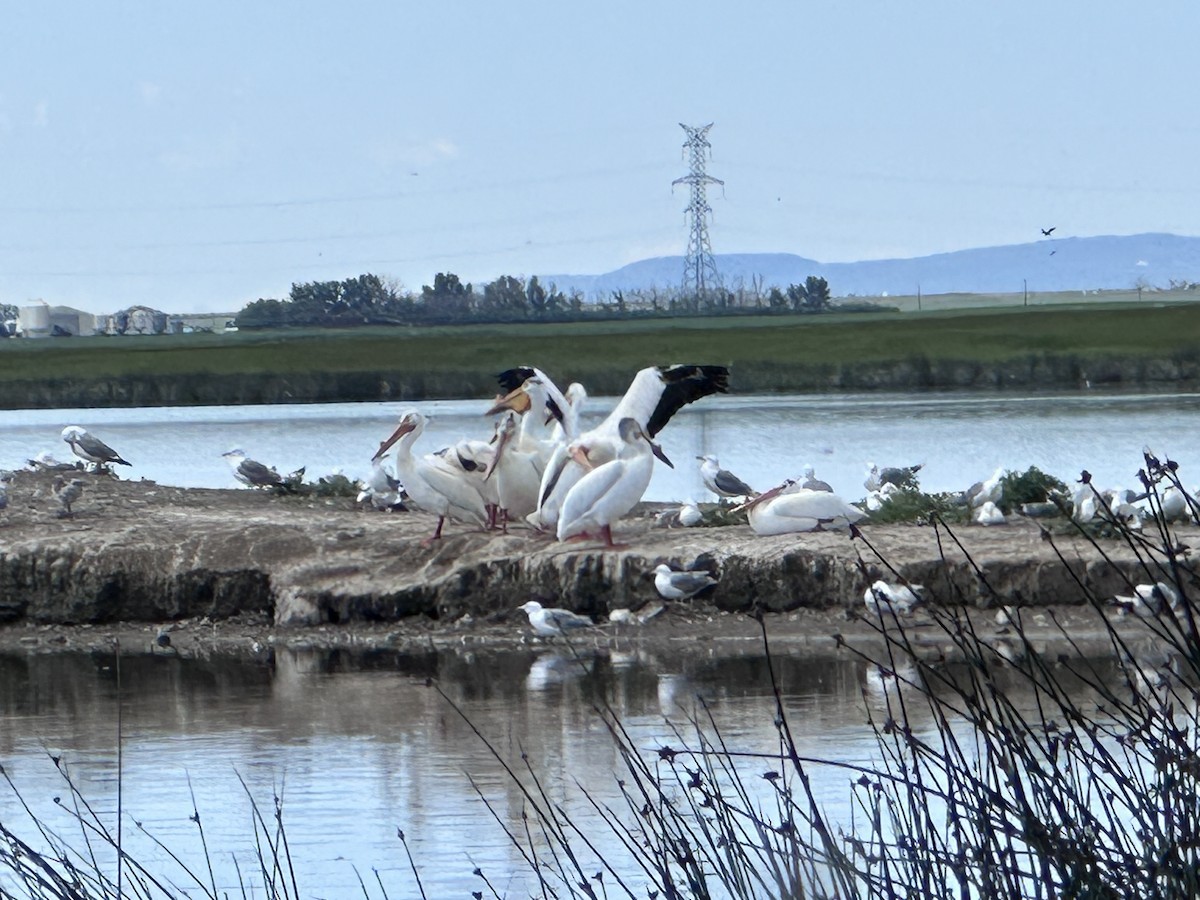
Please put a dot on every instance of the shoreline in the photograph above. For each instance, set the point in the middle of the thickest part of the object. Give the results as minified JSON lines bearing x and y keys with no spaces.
{"x":246,"y":567}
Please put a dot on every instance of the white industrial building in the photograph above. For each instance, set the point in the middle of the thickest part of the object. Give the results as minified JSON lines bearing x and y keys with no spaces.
{"x":44,"y":320}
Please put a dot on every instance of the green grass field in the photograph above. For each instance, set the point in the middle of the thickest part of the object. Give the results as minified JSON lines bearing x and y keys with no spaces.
{"x":457,"y":360}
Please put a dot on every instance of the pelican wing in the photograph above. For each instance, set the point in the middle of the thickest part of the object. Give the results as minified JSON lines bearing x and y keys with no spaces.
{"x":455,"y":488}
{"x":511,"y":379}
{"x":818,"y":505}
{"x":682,"y":385}
{"x":590,"y":489}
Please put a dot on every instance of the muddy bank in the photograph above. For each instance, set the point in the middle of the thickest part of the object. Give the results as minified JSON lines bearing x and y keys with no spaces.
{"x":140,"y":552}
{"x":1041,"y":371}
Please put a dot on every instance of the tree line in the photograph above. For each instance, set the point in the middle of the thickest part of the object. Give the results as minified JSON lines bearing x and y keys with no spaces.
{"x":371,"y":300}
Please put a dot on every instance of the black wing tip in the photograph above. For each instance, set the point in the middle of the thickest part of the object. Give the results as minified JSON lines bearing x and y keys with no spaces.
{"x":511,"y":379}
{"x":716,"y":376}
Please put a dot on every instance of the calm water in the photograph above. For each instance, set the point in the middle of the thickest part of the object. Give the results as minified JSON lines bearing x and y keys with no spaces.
{"x":961,"y":438}
{"x":357,"y":746}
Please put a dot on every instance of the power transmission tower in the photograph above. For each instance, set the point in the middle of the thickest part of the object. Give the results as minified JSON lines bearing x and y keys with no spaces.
{"x":700,"y":275}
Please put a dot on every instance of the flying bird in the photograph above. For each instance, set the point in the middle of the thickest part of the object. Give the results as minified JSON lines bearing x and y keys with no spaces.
{"x":553,"y":622}
{"x":720,"y":481}
{"x":90,"y":448}
{"x":673,"y":585}
{"x":1046,"y":232}
{"x":250,"y":472}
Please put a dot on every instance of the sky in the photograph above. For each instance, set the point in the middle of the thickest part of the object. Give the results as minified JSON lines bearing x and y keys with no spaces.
{"x":196,"y":157}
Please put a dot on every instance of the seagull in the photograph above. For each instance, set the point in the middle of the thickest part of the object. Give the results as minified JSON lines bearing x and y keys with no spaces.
{"x":609,"y":490}
{"x":90,"y":448}
{"x":249,"y":472}
{"x":1174,"y":504}
{"x":66,"y":492}
{"x":430,"y":483}
{"x":812,"y":483}
{"x":653,"y":397}
{"x":381,"y":489}
{"x":688,"y":516}
{"x":899,"y":476}
{"x":982,"y":492}
{"x":897,"y":599}
{"x":673,"y":585}
{"x":553,"y":622}
{"x":788,"y":509}
{"x":989,"y":514}
{"x":1046,"y":232}
{"x":46,"y":462}
{"x":1148,"y":600}
{"x":720,"y":481}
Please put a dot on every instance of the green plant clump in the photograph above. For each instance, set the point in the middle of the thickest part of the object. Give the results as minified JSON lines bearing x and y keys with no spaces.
{"x":1031,"y":486}
{"x":915,"y":507}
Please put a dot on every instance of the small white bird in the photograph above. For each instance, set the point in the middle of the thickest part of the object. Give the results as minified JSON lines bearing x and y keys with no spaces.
{"x":896,"y":599}
{"x":553,"y":622}
{"x":673,"y":585}
{"x":687,"y":516}
{"x":720,"y":481}
{"x":381,"y":488}
{"x":90,"y":448}
{"x":989,"y":491}
{"x":1149,"y":600}
{"x":1174,"y":504}
{"x":812,"y":482}
{"x":989,"y":514}
{"x":250,"y":472}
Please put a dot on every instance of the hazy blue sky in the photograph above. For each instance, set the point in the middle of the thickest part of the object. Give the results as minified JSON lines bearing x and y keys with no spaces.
{"x":199,"y":156}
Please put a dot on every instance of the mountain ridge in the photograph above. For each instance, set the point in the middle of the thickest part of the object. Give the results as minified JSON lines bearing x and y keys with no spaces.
{"x":1101,"y":262}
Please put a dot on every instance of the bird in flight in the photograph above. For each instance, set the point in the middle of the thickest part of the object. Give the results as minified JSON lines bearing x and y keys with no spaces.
{"x":1046,"y":231}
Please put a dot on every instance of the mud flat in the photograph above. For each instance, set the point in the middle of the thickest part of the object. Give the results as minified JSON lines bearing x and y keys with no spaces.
{"x":136,"y":554}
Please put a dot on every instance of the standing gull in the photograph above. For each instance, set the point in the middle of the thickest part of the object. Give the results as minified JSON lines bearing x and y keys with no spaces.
{"x":90,"y":448}
{"x":673,"y":585}
{"x":66,"y":493}
{"x":553,"y":622}
{"x":813,"y":483}
{"x":720,"y":481}
{"x":901,"y":476}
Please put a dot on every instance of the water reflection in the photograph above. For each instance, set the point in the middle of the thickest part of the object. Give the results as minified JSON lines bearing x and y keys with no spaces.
{"x":358,"y":745}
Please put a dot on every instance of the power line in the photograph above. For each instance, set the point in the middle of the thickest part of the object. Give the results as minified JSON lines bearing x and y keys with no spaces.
{"x":700,"y":274}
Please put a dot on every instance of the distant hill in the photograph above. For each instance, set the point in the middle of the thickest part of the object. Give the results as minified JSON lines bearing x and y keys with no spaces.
{"x":1053,"y":264}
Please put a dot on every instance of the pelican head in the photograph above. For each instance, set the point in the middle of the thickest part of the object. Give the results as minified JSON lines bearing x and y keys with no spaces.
{"x":518,"y":399}
{"x":504,"y":434}
{"x":630,"y":431}
{"x":410,"y":421}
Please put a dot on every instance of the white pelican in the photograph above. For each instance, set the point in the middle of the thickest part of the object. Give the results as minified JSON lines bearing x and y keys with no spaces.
{"x":720,"y":481}
{"x":812,"y":482}
{"x":899,"y":476}
{"x":553,"y":622}
{"x":989,"y":514}
{"x":786,"y":509}
{"x":91,"y":448}
{"x":673,"y":585}
{"x":1174,"y":504}
{"x":991,"y":490}
{"x":897,"y":599}
{"x":609,"y":490}
{"x":471,"y":460}
{"x":430,"y":483}
{"x":515,"y":472}
{"x":250,"y":472}
{"x":1148,"y":600}
{"x":548,"y":416}
{"x":654,"y":396}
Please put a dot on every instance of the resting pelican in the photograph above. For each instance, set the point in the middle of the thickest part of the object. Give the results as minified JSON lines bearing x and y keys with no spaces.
{"x":611,"y":489}
{"x":673,"y":585}
{"x":787,"y":508}
{"x":430,"y":483}
{"x":516,"y":473}
{"x":720,"y":481}
{"x":553,"y":622}
{"x":654,"y":396}
{"x":249,"y":472}
{"x":91,"y":448}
